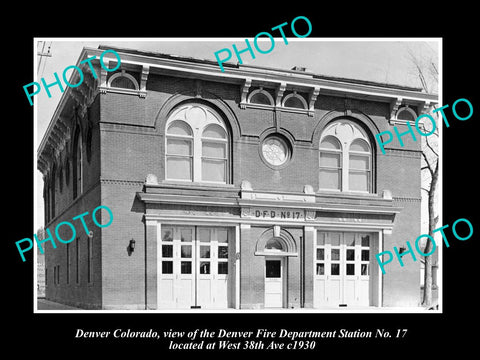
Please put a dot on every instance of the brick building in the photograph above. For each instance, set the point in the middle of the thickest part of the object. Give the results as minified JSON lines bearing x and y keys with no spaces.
{"x":247,"y":189}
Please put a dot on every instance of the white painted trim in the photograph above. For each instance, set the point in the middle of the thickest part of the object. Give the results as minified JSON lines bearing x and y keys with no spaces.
{"x":261,"y":91}
{"x":237,"y":267}
{"x":159,"y":256}
{"x":295,"y":95}
{"x":279,"y":254}
{"x":106,"y":89}
{"x":122,"y":74}
{"x":245,"y":223}
{"x":379,"y":273}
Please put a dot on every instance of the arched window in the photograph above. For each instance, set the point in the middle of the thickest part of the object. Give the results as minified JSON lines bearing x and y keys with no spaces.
{"x":274,"y":244}
{"x":345,"y":158}
{"x":406,"y":113}
{"x":214,"y":154}
{"x":46,"y":197}
{"x":294,"y":100}
{"x":52,"y":189}
{"x":60,"y":179}
{"x":179,"y":151}
{"x":360,"y":160}
{"x":197,"y":146}
{"x":330,"y":163}
{"x":77,"y":165}
{"x":123,"y":80}
{"x":260,"y":96}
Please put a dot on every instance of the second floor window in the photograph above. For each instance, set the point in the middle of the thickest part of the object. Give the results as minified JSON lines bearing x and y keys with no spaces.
{"x":77,"y":166}
{"x":345,"y":158}
{"x":197,"y":146}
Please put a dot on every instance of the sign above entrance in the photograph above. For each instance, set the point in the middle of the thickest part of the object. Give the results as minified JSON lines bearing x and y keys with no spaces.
{"x":274,"y":214}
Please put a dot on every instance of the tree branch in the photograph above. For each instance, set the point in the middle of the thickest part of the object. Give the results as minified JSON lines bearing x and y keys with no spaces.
{"x":428,"y":164}
{"x":430,"y":147}
{"x":427,"y":190}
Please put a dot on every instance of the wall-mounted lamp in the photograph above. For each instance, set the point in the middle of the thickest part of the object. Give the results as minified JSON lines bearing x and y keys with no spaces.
{"x":131,"y":247}
{"x":402,"y":249}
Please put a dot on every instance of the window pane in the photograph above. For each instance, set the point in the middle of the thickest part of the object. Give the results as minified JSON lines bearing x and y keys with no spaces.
{"x":359,"y":145}
{"x":349,"y":239}
{"x":260,"y":98}
{"x":213,"y":170}
{"x":320,"y":269}
{"x":350,"y":254}
{"x":204,"y":235}
{"x":335,"y":269}
{"x":330,"y":143}
{"x":167,"y":234}
{"x":273,"y":244}
{"x":205,"y":252}
{"x":179,"y":168}
{"x":320,"y":254}
{"x":350,"y":269}
{"x":186,"y":235}
{"x":179,"y":128}
{"x":335,"y":254}
{"x":205,"y":267}
{"x":359,"y":162}
{"x":329,"y":160}
{"x":366,"y":240}
{"x":223,"y":252}
{"x":167,"y":267}
{"x":294,"y":102}
{"x":364,"y":269}
{"x":273,"y":269}
{"x":320,"y":238}
{"x":179,"y":147}
{"x":365,"y":255}
{"x":222,"y":268}
{"x":167,"y":250}
{"x":186,"y":251}
{"x":214,"y":131}
{"x":215,"y":150}
{"x":222,"y":235}
{"x":330,"y":179}
{"x":186,"y":267}
{"x":335,"y":239}
{"x":122,"y":82}
{"x":358,"y":181}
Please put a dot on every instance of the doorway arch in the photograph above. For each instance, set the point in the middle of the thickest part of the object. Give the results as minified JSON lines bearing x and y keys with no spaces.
{"x":276,"y":245}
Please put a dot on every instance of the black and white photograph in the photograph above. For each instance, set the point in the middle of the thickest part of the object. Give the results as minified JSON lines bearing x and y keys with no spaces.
{"x":279,"y":191}
{"x":257,"y":187}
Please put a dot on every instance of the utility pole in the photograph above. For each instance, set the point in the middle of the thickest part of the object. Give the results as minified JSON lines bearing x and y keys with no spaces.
{"x":43,"y":54}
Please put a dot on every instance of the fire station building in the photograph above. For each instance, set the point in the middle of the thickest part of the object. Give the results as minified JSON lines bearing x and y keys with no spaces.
{"x":252,"y":188}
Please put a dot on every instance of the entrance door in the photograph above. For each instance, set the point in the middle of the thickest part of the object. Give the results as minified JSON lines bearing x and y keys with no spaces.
{"x":342,"y":265}
{"x":273,"y":283}
{"x":193,"y":267}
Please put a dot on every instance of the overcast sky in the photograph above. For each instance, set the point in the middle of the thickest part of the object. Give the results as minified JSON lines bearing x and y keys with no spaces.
{"x":380,"y":60}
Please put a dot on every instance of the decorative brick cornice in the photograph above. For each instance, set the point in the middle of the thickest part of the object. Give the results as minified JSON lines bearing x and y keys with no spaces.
{"x":406,"y":199}
{"x":403,"y":153}
{"x":121,"y":182}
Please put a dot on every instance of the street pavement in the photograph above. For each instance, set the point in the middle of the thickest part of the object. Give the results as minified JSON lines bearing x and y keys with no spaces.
{"x":43,"y":304}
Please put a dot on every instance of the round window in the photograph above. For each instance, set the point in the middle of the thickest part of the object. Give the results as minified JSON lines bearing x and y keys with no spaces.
{"x":275,"y":150}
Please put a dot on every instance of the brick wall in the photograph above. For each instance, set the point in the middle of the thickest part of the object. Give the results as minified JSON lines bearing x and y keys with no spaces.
{"x":133,"y":146}
{"x":123,"y":275}
{"x":86,"y":294}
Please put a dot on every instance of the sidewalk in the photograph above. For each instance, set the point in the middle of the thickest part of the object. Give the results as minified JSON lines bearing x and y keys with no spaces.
{"x":43,"y":304}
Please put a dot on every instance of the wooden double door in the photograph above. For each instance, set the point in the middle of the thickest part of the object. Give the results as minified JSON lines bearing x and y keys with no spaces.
{"x":194,"y":267}
{"x":342,"y":269}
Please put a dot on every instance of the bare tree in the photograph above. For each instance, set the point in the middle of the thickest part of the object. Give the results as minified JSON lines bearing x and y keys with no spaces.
{"x":427,"y":72}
